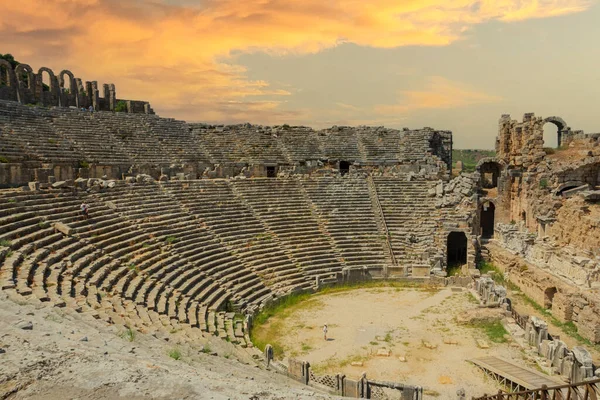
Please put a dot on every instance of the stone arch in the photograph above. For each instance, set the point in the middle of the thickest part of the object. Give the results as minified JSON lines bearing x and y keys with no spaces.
{"x":7,"y":77}
{"x":566,"y":186}
{"x":24,"y":69}
{"x":490,"y":169}
{"x":558,"y":121}
{"x":61,"y":80}
{"x":52,"y":78}
{"x":561,"y":127}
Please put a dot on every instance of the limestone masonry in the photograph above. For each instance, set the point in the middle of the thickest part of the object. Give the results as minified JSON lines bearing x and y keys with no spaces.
{"x":197,"y":227}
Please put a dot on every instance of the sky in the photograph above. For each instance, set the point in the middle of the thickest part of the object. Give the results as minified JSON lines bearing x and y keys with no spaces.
{"x":447,"y":64}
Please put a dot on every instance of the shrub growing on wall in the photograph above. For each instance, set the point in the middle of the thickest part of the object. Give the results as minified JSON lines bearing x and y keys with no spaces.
{"x":121,"y":106}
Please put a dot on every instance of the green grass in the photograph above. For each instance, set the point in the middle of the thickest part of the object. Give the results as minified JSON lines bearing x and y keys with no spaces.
{"x":454,"y":269}
{"x":206,"y":349}
{"x":175,"y":354}
{"x":128,"y":334}
{"x":265,"y":331}
{"x":388,"y":337}
{"x":494,"y":330}
{"x":5,"y":243}
{"x":472,"y":299}
{"x":568,"y":328}
{"x":3,"y":160}
{"x":170,"y":239}
{"x":470,"y":157}
{"x":497,"y":275}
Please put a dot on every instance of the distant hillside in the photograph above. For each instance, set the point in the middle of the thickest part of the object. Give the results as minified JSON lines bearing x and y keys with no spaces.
{"x":470,"y":158}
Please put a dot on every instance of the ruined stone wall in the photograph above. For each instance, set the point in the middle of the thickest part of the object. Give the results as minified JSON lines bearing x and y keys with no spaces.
{"x":569,"y":303}
{"x":122,"y":143}
{"x":548,"y":220}
{"x":63,"y":90}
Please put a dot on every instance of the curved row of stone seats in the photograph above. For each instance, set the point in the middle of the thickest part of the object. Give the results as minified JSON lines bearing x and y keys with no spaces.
{"x":415,"y":146}
{"x":12,"y":149}
{"x":166,"y":280}
{"x":75,"y":270}
{"x":89,"y":137}
{"x":285,"y":209}
{"x":341,"y":143}
{"x":142,"y":147}
{"x":381,"y":144}
{"x":215,"y":204}
{"x":155,"y":212}
{"x":176,"y":139}
{"x":239,"y":143}
{"x":410,"y":217}
{"x":346,"y":207}
{"x":31,"y":126}
{"x":300,"y":143}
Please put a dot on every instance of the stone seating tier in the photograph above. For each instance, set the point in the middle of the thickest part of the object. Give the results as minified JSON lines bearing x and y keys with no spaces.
{"x":186,"y":255}
{"x":68,"y":136}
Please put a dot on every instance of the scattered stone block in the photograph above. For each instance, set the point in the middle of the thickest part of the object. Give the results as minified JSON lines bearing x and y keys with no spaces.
{"x":445,"y":380}
{"x":63,"y":228}
{"x":402,"y":359}
{"x":482,"y":344}
{"x":384,"y":352}
{"x":59,"y":185}
{"x":356,"y":363}
{"x":34,"y":186}
{"x":450,"y":341}
{"x":25,"y":325}
{"x":430,"y":345}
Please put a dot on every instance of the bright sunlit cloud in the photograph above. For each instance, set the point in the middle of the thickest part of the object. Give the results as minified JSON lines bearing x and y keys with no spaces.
{"x":179,"y":54}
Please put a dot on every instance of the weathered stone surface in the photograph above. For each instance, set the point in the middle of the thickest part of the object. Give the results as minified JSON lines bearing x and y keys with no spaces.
{"x":25,"y":325}
{"x":59,"y":185}
{"x":384,"y":352}
{"x":63,"y":228}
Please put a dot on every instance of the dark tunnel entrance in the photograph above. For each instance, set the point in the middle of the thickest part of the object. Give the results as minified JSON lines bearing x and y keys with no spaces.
{"x":457,"y":248}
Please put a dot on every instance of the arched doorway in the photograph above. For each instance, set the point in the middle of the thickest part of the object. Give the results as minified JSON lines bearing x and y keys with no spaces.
{"x":488,"y":210}
{"x":551,"y":134}
{"x":490,"y":171}
{"x":553,"y":129}
{"x":456,"y":249}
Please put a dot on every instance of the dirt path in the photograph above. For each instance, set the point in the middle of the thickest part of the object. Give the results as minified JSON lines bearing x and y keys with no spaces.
{"x":403,"y":321}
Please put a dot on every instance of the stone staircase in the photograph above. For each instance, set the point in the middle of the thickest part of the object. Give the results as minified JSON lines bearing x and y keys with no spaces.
{"x":410,"y":216}
{"x":346,"y":209}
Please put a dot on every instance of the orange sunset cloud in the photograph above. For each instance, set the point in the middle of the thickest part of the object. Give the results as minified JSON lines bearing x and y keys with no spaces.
{"x":182,"y":56}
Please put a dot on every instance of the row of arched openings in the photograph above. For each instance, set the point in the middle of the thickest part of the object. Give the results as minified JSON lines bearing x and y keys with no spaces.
{"x":24,"y":75}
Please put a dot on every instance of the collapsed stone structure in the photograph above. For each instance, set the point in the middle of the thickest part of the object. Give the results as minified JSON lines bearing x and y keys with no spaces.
{"x":22,"y":85}
{"x":540,"y":206}
{"x":194,"y":224}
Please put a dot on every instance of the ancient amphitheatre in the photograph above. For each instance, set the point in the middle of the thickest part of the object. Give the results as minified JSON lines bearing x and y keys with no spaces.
{"x":198,"y":232}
